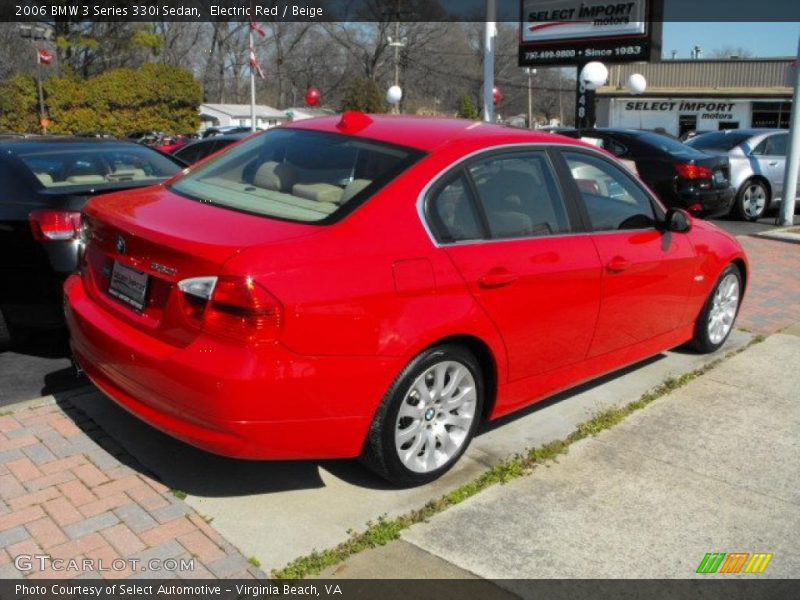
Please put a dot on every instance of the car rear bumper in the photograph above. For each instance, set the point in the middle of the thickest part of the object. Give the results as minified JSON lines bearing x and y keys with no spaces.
{"x":258,"y":403}
{"x":708,"y":203}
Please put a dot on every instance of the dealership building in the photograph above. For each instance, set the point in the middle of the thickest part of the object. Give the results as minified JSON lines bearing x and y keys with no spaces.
{"x":700,"y":95}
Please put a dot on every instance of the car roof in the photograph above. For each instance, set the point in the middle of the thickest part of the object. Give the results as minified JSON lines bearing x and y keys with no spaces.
{"x":216,"y":138}
{"x":43,"y":142}
{"x":428,"y":133}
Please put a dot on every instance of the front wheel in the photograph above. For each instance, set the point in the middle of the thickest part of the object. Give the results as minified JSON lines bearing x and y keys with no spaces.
{"x":716,"y":320}
{"x":427,"y":418}
{"x":752,"y":200}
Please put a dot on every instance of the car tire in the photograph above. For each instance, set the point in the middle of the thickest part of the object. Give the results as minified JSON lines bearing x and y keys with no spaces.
{"x":752,"y":200}
{"x":415,"y":439}
{"x":5,"y":334}
{"x":718,"y":316}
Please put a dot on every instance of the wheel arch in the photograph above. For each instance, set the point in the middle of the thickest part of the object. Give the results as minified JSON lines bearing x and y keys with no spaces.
{"x":486,"y":359}
{"x":742,"y":266}
{"x":761,"y":179}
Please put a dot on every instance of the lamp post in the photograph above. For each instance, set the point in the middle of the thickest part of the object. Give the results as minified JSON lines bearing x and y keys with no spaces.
{"x":530,"y":72}
{"x":489,"y":38}
{"x":590,"y":77}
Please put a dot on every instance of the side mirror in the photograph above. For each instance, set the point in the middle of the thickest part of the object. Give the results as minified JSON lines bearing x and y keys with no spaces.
{"x":677,"y":220}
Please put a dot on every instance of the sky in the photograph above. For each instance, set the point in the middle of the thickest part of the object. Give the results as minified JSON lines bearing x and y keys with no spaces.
{"x":763,"y":39}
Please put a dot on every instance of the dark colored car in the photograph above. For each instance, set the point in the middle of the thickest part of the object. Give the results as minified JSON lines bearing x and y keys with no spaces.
{"x":191,"y":153}
{"x":226,"y":129}
{"x":44,"y":183}
{"x":681,"y":176}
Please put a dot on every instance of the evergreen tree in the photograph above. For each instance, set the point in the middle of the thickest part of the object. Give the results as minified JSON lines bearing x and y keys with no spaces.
{"x":467,"y":108}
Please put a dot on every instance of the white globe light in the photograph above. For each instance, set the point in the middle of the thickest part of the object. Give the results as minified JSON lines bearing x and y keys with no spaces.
{"x":394,"y":94}
{"x":593,"y":75}
{"x":637,"y":84}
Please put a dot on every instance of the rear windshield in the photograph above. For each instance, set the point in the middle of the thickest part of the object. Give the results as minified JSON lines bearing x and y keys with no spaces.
{"x":297,"y":175}
{"x":718,"y":141}
{"x":96,"y":165}
{"x":667,"y":144}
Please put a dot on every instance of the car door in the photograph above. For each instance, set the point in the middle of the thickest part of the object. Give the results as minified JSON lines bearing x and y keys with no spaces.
{"x":647,"y":272}
{"x":504,"y":223}
{"x":771,"y":156}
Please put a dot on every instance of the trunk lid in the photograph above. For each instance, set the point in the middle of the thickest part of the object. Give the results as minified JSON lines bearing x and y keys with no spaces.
{"x":140,"y":244}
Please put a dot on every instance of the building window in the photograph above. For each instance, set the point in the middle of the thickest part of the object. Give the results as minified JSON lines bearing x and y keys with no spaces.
{"x":772,"y":115}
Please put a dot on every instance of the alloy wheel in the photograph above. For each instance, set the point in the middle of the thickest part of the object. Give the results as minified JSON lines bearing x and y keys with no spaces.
{"x":754,"y":200}
{"x":723,"y":308}
{"x":436,"y":416}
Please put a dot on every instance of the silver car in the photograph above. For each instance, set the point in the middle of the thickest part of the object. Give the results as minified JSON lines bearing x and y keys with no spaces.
{"x":758,"y":163}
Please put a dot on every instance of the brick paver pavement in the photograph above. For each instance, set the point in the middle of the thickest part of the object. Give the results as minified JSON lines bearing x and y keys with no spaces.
{"x":67,"y":491}
{"x":772,"y":301}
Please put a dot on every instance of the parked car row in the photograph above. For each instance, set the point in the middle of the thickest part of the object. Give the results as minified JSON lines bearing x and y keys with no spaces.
{"x":736,"y":171}
{"x":44,"y":184}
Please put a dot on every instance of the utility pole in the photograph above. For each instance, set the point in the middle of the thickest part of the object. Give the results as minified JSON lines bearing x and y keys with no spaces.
{"x":530,"y":97}
{"x":786,"y":215}
{"x":489,"y":39}
{"x":252,"y":83}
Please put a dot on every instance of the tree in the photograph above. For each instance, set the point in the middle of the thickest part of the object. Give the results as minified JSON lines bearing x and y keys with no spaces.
{"x":364,"y":94}
{"x":19,"y":105}
{"x":157,"y":96}
{"x":466,"y":107}
{"x":730,"y":51}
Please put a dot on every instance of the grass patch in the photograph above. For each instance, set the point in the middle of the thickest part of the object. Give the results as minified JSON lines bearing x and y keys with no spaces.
{"x":179,"y":494}
{"x":254,"y":561}
{"x":384,"y":530}
{"x":6,"y":413}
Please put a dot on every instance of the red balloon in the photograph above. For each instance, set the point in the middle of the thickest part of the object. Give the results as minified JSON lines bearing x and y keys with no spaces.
{"x":497,"y":95}
{"x":313,"y":96}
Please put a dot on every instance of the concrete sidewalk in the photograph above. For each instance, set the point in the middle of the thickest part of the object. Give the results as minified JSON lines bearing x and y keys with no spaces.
{"x":711,"y":467}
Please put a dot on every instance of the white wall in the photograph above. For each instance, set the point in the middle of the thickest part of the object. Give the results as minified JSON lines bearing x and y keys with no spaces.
{"x":650,"y":113}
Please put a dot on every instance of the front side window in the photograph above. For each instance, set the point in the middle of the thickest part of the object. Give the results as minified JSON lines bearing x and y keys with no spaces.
{"x":297,"y":175}
{"x":612,"y":200}
{"x":519,"y":195}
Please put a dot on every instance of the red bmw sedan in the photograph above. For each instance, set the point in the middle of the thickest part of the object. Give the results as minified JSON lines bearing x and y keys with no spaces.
{"x":375,"y":287}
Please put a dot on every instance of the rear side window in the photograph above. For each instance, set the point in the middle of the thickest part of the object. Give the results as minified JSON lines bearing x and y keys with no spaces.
{"x":774,"y":145}
{"x":612,"y":200}
{"x":723,"y":141}
{"x":519,"y":195}
{"x":453,"y":212}
{"x":297,"y":175}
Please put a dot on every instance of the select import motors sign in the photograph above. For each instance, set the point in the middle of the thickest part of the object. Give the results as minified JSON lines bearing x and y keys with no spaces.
{"x":574,"y":32}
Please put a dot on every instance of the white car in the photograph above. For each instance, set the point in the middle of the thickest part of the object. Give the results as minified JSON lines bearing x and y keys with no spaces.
{"x":758,"y":163}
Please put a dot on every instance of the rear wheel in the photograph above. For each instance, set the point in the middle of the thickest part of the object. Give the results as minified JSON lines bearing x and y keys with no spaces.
{"x":716,"y":320}
{"x":427,"y":418}
{"x":752,"y":200}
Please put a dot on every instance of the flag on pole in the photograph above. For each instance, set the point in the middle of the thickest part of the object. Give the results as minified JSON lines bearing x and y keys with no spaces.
{"x":257,"y":28}
{"x":254,"y":64}
{"x":44,"y":57}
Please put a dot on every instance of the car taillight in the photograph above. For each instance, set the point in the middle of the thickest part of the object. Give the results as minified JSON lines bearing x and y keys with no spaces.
{"x":688,"y":171}
{"x":234,"y":307}
{"x":55,"y":225}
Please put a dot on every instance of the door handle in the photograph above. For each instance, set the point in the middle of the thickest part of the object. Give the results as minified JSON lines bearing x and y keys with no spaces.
{"x":773,"y":163}
{"x":618,"y":264}
{"x":497,"y":278}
